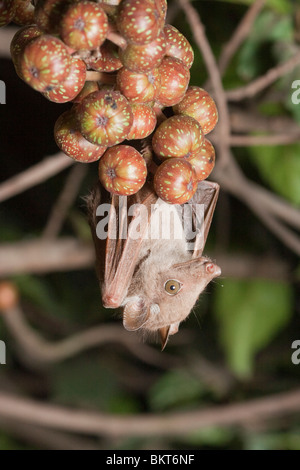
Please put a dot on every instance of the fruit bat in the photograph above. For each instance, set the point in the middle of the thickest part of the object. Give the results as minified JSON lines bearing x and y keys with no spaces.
{"x":149,"y":260}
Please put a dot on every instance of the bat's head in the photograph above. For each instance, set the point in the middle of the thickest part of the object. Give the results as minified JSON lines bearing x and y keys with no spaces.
{"x":160,"y":298}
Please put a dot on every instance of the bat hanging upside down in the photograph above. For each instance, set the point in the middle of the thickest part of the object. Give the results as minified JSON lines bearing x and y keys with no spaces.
{"x":147,"y":261}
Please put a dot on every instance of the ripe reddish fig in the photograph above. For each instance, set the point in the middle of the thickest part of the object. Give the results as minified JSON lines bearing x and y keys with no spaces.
{"x":143,"y":59}
{"x":179,"y":136}
{"x":105,"y":117}
{"x":24,"y":12}
{"x":71,"y":86}
{"x":109,"y":60}
{"x":22,"y":37}
{"x":45,"y":63}
{"x":175,"y":181}
{"x":204,"y":162}
{"x":71,"y":141}
{"x":138,"y":87}
{"x":175,"y":78}
{"x":144,"y":121}
{"x":122,"y":170}
{"x":200,"y":105}
{"x":139,"y":21}
{"x":7,"y":10}
{"x":84,"y":26}
{"x":178,"y":46}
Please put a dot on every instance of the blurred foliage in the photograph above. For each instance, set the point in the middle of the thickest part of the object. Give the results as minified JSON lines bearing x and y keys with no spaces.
{"x":280,"y":168}
{"x":250,"y":313}
{"x":243,"y":328}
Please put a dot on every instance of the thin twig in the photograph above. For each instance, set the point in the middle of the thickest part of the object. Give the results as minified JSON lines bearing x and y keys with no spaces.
{"x":6,"y":35}
{"x":250,"y":90}
{"x":37,"y":351}
{"x":215,"y":77}
{"x":64,"y":254}
{"x":64,"y":201}
{"x":34,"y":175}
{"x":289,"y":238}
{"x":43,"y":256}
{"x":245,"y":121}
{"x":239,"y":35}
{"x":94,"y":76}
{"x":46,"y":438}
{"x":262,"y":204}
{"x":270,"y":140}
{"x":168,"y":424}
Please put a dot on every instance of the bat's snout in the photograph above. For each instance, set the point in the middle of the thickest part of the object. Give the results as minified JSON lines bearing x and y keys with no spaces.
{"x":109,"y":301}
{"x":213,"y":269}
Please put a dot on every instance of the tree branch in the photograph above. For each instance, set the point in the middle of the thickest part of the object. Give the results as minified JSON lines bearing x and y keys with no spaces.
{"x":65,"y":254}
{"x":215,"y":77}
{"x":250,"y":90}
{"x":6,"y":35}
{"x":34,"y":175}
{"x":270,"y":140}
{"x":64,"y":201}
{"x":169,"y":424}
{"x":38,"y":352}
{"x":239,"y":35}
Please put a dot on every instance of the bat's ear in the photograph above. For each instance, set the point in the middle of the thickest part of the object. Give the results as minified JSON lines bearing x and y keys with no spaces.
{"x":135,"y":314}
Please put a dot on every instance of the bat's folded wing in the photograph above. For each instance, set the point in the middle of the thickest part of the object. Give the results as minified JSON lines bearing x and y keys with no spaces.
{"x":123,"y":242}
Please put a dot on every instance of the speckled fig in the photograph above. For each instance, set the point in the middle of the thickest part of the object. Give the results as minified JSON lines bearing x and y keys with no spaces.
{"x":22,"y":37}
{"x":179,"y":136}
{"x":71,"y":86}
{"x":108,"y":61}
{"x":139,"y":21}
{"x":45,"y":63}
{"x":175,"y":181}
{"x":138,"y":87}
{"x":200,"y":105}
{"x":105,"y":117}
{"x":144,"y":121}
{"x":178,"y":46}
{"x":122,"y":170}
{"x":84,"y":26}
{"x":175,"y":77}
{"x":204,"y":162}
{"x":7,"y":10}
{"x":24,"y":12}
{"x":71,"y":141}
{"x":142,"y":59}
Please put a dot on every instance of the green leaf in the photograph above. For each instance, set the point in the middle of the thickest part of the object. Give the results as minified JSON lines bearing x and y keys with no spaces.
{"x":250,"y":313}
{"x":38,"y":291}
{"x":279,"y":166}
{"x":268,"y":28}
{"x":87,"y":382}
{"x":280,"y":6}
{"x":175,"y":388}
{"x":212,"y":436}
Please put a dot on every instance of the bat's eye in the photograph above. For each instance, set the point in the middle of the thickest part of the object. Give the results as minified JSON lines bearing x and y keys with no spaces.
{"x":172,"y":287}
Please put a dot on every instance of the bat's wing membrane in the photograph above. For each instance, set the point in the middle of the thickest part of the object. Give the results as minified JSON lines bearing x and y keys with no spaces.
{"x":122,"y":245}
{"x":206,"y":197}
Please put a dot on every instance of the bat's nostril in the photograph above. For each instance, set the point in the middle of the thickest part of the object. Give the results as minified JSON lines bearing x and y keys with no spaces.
{"x":212,"y":268}
{"x":110,"y":302}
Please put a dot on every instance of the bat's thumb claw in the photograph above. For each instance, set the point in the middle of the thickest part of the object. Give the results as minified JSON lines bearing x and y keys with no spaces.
{"x":164,"y":335}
